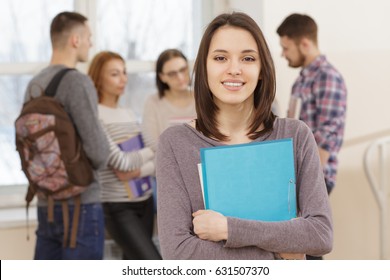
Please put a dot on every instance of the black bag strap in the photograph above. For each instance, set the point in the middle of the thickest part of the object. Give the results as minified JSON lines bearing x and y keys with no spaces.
{"x":54,"y":83}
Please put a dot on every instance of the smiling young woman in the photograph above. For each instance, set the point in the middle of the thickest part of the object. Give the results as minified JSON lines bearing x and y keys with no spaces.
{"x":233,"y":67}
{"x":234,"y":89}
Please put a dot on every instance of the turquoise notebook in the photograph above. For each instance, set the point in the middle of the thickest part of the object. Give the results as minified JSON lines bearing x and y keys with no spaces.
{"x":254,"y":181}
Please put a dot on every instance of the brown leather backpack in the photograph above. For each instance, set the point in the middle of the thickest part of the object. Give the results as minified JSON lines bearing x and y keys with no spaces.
{"x":51,"y":154}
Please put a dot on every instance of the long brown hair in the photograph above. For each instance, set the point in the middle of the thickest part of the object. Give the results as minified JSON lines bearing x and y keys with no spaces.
{"x":264,"y":92}
{"x":96,"y":67}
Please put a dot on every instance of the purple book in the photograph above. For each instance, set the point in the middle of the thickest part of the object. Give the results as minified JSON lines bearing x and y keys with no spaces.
{"x":135,"y":187}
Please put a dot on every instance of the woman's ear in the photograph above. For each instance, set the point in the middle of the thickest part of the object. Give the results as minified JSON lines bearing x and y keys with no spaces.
{"x":162,"y":78}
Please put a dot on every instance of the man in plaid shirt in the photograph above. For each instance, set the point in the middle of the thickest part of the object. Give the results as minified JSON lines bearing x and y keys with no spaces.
{"x":319,"y":95}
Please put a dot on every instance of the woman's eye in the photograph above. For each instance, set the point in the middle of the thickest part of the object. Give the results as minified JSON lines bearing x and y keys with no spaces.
{"x":219,"y":58}
{"x":249,"y":58}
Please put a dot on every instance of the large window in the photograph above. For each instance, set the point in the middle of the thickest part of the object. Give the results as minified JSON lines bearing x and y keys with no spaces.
{"x":138,"y":30}
{"x":25,"y":29}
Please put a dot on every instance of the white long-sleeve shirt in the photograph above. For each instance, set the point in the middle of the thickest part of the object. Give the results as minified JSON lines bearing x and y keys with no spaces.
{"x":121,"y":124}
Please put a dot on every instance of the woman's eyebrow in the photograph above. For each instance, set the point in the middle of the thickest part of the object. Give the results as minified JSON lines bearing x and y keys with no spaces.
{"x":244,"y":51}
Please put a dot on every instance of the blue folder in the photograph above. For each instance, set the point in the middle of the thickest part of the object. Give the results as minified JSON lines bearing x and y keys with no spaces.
{"x":254,"y":181}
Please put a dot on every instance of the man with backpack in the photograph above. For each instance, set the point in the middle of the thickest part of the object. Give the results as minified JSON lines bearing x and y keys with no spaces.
{"x":70,"y":38}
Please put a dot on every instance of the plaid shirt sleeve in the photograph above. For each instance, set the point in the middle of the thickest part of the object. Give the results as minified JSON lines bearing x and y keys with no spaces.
{"x":331,"y":98}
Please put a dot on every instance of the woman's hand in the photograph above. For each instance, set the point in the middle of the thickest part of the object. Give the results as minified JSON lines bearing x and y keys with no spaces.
{"x":125,"y":176}
{"x":292,"y":256}
{"x":210,"y":225}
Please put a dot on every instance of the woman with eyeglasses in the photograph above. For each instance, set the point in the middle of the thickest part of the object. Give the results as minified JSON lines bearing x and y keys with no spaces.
{"x":174,"y":102}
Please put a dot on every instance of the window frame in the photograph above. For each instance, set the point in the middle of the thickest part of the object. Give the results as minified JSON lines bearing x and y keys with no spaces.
{"x":12,"y":196}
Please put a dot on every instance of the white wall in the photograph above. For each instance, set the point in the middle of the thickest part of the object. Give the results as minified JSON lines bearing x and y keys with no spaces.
{"x":355,"y":36}
{"x":14,"y":232}
{"x":14,"y":245}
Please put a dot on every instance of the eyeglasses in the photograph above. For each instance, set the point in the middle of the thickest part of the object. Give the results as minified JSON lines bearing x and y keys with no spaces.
{"x":175,"y":74}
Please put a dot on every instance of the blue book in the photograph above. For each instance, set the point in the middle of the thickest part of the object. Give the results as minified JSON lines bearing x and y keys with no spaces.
{"x":136,"y":187}
{"x":254,"y":181}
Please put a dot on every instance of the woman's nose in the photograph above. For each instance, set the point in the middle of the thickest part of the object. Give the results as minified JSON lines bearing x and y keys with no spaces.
{"x":235,"y":68}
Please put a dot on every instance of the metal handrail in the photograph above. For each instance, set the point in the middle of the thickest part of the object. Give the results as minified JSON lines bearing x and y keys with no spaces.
{"x":379,"y":186}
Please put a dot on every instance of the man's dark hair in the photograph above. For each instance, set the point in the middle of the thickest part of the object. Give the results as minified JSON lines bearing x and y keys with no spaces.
{"x":61,"y":26}
{"x":298,"y":26}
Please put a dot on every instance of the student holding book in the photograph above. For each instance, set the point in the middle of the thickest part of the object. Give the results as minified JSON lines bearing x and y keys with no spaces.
{"x":128,"y":216}
{"x":234,"y":89}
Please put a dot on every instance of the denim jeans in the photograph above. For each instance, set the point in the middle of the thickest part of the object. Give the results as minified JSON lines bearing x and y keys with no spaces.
{"x":90,"y":234}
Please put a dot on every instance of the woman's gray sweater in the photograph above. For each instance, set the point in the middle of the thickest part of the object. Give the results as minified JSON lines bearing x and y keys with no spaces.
{"x":179,"y":195}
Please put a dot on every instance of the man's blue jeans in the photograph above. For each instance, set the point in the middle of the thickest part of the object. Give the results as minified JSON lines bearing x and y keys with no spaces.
{"x":90,"y":234}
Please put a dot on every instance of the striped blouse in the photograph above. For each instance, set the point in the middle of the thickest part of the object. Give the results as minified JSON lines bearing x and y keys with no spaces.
{"x":121,"y":124}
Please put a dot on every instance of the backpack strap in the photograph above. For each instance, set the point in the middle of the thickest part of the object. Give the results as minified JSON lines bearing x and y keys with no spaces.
{"x":51,"y":91}
{"x":65,"y":218}
{"x":75,"y":221}
{"x":54,"y":83}
{"x":50,"y":209}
